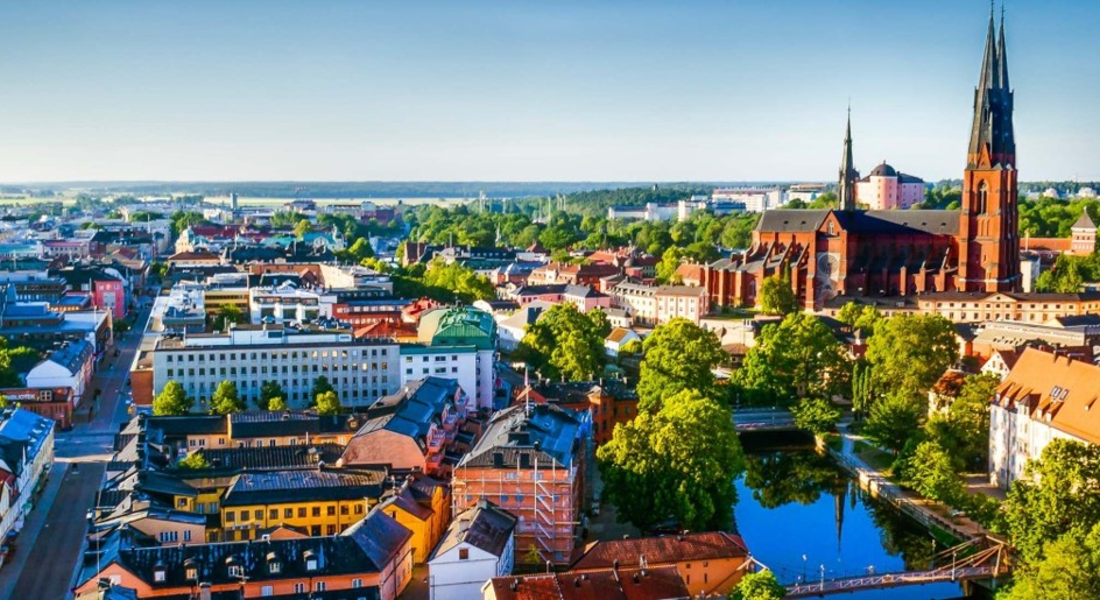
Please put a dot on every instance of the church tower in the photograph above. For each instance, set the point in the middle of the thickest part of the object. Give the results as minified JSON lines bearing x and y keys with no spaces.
{"x":846,"y":187}
{"x":989,"y":246}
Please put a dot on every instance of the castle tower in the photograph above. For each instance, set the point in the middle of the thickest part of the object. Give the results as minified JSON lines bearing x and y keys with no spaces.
{"x":846,"y":187}
{"x":1083,"y":236}
{"x":988,"y":243}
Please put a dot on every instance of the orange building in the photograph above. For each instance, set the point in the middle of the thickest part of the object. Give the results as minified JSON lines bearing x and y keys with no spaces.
{"x":711,"y":563}
{"x":531,"y":463}
{"x":372,"y":558}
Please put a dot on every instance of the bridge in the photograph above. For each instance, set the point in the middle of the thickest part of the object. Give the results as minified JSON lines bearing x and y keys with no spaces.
{"x":986,"y":563}
{"x":764,"y":419}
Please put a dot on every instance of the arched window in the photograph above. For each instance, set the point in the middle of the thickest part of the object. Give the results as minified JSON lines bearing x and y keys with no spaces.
{"x":983,"y":198}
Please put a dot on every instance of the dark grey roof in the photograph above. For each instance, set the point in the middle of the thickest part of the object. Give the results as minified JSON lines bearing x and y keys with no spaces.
{"x":883,"y":170}
{"x":549,"y":435}
{"x":304,"y":485}
{"x":485,"y":526}
{"x":270,"y":458}
{"x":188,"y":425}
{"x":792,"y":220}
{"x":72,"y":356}
{"x":898,"y":222}
{"x":410,"y":411}
{"x":266,"y":423}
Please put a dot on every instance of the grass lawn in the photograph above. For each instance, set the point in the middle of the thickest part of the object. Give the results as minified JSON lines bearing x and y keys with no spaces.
{"x":873,"y":456}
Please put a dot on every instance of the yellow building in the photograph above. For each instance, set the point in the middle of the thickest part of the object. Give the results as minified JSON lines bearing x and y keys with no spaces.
{"x":422,"y":505}
{"x":322,"y":502}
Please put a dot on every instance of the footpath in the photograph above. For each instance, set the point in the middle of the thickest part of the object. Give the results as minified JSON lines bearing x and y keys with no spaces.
{"x":930,"y":514}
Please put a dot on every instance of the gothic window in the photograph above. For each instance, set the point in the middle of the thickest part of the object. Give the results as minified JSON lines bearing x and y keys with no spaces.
{"x":983,"y":198}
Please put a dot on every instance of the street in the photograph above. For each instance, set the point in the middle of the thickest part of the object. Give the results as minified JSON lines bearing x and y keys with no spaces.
{"x":52,"y":539}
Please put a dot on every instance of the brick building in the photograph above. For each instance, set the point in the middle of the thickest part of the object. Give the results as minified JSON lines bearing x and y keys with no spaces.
{"x":851,"y":252}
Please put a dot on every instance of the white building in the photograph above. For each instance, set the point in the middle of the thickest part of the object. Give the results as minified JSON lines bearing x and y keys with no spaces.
{"x":682,"y":301}
{"x":806,"y":192}
{"x":70,"y":366}
{"x":637,"y":298}
{"x":650,"y":212}
{"x":1044,"y":397}
{"x":283,"y":304}
{"x":753,"y":199}
{"x":478,"y":545}
{"x":886,"y":188}
{"x":26,"y":455}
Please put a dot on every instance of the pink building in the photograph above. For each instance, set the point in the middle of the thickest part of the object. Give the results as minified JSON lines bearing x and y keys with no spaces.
{"x":110,"y":295}
{"x":887,"y":188}
{"x":681,"y":301}
{"x":586,"y":298}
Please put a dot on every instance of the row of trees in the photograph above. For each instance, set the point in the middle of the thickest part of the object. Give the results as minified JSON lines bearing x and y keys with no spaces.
{"x":226,"y":399}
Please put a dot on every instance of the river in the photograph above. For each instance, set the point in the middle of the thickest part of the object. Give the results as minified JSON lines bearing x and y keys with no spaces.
{"x":800,"y":514}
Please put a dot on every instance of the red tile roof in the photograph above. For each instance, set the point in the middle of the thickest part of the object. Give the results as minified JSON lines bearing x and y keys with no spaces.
{"x":657,"y":583}
{"x":664,"y":550}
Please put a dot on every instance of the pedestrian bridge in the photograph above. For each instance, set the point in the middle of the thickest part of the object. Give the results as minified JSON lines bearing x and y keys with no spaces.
{"x":987,"y":563}
{"x":763,"y":419}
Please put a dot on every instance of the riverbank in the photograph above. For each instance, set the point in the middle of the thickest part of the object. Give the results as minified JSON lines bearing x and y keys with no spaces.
{"x":933,"y":515}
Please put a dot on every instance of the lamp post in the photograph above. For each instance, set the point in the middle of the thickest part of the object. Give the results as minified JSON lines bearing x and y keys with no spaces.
{"x":953,"y":554}
{"x":822,"y":577}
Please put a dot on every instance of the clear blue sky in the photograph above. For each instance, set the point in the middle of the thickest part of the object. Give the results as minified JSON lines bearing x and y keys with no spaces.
{"x":530,"y":90}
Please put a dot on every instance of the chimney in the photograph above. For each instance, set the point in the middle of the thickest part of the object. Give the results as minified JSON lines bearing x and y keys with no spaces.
{"x":204,"y":591}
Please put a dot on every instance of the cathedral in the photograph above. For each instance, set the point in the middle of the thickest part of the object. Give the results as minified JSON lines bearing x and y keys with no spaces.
{"x":849,"y":252}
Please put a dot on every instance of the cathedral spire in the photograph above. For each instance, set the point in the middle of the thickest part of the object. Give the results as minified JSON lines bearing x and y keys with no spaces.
{"x":846,"y":188}
{"x":989,"y":101}
{"x":1002,"y":55}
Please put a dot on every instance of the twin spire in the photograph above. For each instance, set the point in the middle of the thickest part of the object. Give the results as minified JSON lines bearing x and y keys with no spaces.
{"x":846,"y":190}
{"x":992,"y":129}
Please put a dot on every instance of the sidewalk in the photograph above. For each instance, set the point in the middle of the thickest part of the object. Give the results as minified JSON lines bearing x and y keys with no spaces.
{"x":32,"y":527}
{"x":932,"y":514}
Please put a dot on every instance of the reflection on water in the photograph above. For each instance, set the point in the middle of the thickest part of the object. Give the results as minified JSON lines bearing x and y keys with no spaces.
{"x":803,"y":516}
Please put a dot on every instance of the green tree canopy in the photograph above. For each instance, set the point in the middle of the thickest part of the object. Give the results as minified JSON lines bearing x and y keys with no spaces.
{"x":193,"y":461}
{"x":172,"y":400}
{"x":685,"y":456}
{"x":816,"y":415}
{"x":269,"y":390}
{"x":969,"y":418}
{"x":328,"y":404}
{"x":1060,"y":492}
{"x":226,"y":399}
{"x":894,"y":419}
{"x":797,"y":358}
{"x":1066,"y":569}
{"x":761,"y":585}
{"x":911,"y":352}
{"x":276,"y":403}
{"x":321,"y":385}
{"x":863,"y":317}
{"x":302,"y":227}
{"x":564,"y":344}
{"x":777,"y":297}
{"x":678,"y":355}
{"x":228,"y":313}
{"x":449,"y":281}
{"x":931,"y":472}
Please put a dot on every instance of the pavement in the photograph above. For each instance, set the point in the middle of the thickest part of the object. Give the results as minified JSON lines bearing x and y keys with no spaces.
{"x":52,"y":540}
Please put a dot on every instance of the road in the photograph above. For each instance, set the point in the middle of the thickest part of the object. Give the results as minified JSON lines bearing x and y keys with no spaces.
{"x":53,"y":536}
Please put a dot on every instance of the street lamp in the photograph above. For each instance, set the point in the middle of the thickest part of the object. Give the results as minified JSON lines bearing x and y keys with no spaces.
{"x":822,"y":577}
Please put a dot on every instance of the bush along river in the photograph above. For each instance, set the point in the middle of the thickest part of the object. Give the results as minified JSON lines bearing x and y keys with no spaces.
{"x":803,"y":516}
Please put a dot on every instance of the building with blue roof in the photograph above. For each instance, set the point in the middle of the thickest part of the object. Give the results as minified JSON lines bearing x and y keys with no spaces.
{"x":26,"y":454}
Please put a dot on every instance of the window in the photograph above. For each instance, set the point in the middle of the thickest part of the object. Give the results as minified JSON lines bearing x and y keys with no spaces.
{"x":331,"y":511}
{"x":302,"y":512}
{"x":288,"y":513}
{"x":311,"y":564}
{"x":230,"y":517}
{"x":192,"y":573}
{"x":236,"y":571}
{"x":158,"y":575}
{"x":267,"y":591}
{"x":187,"y":535}
{"x":299,"y":588}
{"x":316,"y":511}
{"x":273,"y":514}
{"x":320,"y":586}
{"x":356,"y":583}
{"x":343,"y":509}
{"x":259,"y":516}
{"x":463,"y":553}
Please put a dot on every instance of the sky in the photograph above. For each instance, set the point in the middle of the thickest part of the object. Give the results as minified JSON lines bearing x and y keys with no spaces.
{"x":562,"y":90}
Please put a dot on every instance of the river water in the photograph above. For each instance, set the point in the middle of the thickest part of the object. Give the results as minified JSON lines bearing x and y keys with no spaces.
{"x":801,"y":515}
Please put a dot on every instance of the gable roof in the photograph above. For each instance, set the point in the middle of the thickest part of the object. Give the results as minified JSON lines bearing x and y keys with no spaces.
{"x":658,"y":583}
{"x":485,"y":526}
{"x":1057,"y":390}
{"x":711,"y":545}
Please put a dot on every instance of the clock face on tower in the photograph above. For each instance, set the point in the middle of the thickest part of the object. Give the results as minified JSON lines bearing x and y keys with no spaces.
{"x":828,"y":266}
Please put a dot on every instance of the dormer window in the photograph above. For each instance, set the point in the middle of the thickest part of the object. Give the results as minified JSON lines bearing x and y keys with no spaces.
{"x":273,"y":565}
{"x":311,"y":560}
{"x":236,"y":570}
{"x":158,"y":572}
{"x":190,"y":570}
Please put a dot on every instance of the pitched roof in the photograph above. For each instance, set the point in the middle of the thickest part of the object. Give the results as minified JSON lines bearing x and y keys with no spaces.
{"x":662,"y":550}
{"x":1057,"y":390}
{"x":547,"y":435}
{"x":1085,"y":222}
{"x":658,"y":583}
{"x":485,"y":526}
{"x":304,"y":485}
{"x":269,"y":458}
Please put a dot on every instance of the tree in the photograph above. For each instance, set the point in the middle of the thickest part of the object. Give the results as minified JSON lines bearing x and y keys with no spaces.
{"x":777,"y":297}
{"x":670,"y":261}
{"x":893,"y":420}
{"x":328,"y":404}
{"x":321,"y":386}
{"x":564,"y":344}
{"x":678,"y":355}
{"x":911,"y":352}
{"x":226,"y":400}
{"x":228,"y":313}
{"x":931,"y":472}
{"x":302,"y":227}
{"x":276,"y":403}
{"x":600,"y":320}
{"x":969,"y":418}
{"x":172,"y":400}
{"x":862,"y":317}
{"x":448,"y":281}
{"x":815,"y":415}
{"x":1059,"y":492}
{"x":797,"y":358}
{"x":359,"y":251}
{"x":1067,"y":569}
{"x":685,"y":456}
{"x":268,"y":391}
{"x":195,"y":460}
{"x":761,"y":585}
{"x":862,"y":390}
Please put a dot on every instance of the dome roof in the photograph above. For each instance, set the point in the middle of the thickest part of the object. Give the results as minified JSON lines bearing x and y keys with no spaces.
{"x":884,"y":170}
